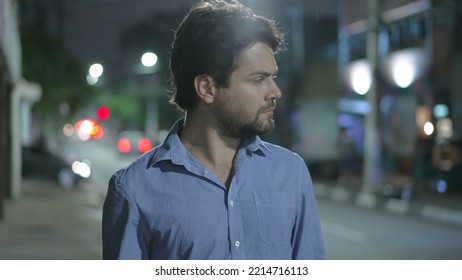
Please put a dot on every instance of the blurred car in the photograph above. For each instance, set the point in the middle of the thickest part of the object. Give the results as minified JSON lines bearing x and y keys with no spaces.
{"x":133,"y":142}
{"x":40,"y":163}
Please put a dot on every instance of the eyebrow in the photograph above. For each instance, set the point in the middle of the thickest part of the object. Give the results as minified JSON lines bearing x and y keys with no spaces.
{"x":263,"y":73}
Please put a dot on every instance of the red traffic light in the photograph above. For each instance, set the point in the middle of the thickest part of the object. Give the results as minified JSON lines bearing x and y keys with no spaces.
{"x":103,"y":113}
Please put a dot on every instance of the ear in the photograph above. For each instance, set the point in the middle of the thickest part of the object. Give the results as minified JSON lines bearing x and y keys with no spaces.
{"x":205,"y":89}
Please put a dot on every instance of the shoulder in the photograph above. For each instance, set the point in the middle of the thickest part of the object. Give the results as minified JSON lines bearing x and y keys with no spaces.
{"x":283,"y":158}
{"x":279,"y":153}
{"x":133,"y":174}
{"x":289,"y":165}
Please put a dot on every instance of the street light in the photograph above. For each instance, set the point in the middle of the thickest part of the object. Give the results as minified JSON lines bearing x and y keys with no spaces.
{"x":405,"y":66}
{"x":403,"y":74}
{"x":149,"y":59}
{"x":150,"y":67}
{"x":360,"y":76}
{"x":96,"y":70}
{"x":94,"y":73}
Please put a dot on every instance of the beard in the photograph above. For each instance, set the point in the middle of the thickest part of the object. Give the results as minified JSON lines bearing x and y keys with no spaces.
{"x":234,"y":121}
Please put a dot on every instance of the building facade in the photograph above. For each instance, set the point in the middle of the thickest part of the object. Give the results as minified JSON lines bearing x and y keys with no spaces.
{"x":10,"y":73}
{"x":418,"y":61}
{"x":15,"y":95}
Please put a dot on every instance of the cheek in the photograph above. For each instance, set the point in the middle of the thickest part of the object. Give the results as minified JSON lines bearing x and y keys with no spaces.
{"x":253,"y":95}
{"x":245,"y":97}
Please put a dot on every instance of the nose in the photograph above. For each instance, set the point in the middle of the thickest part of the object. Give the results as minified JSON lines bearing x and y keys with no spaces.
{"x":275,"y":92}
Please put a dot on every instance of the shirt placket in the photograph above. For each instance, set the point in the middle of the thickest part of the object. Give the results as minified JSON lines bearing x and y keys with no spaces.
{"x":236,"y":233}
{"x":236,"y":242}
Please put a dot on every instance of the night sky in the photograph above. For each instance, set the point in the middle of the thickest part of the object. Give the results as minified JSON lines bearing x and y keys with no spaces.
{"x":92,"y":28}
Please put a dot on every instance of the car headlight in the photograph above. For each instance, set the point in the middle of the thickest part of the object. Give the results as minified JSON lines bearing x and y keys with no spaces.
{"x":82,"y":168}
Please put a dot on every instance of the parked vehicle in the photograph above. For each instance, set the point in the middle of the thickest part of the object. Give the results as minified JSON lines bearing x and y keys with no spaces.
{"x":133,"y":142}
{"x":40,"y":163}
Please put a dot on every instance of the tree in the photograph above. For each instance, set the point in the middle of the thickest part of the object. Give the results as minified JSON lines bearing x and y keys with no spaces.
{"x":155,"y":34}
{"x":47,"y":62}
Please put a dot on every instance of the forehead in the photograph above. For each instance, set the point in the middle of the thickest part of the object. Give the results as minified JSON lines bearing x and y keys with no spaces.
{"x":258,"y":57}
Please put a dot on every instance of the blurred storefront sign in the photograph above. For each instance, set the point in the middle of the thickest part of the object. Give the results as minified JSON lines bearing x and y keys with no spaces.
{"x":354,"y":106}
{"x":355,"y":12}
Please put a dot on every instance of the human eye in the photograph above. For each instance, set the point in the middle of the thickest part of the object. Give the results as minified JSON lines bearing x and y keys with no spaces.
{"x":260,"y":77}
{"x":258,"y":80}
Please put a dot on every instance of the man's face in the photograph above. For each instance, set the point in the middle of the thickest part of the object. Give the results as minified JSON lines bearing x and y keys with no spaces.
{"x":246,"y":107}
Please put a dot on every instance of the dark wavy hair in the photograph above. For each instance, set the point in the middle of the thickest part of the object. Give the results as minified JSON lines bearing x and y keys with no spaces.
{"x":207,"y":41}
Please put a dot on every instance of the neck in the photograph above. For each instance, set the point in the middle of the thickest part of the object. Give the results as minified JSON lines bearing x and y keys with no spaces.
{"x":202,"y":139}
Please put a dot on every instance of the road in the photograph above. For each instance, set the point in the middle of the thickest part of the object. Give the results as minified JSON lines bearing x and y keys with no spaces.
{"x":350,"y":232}
{"x":104,"y":158}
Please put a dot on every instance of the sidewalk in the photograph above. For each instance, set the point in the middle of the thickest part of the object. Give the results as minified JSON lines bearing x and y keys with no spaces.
{"x":441,"y":208}
{"x":48,"y":222}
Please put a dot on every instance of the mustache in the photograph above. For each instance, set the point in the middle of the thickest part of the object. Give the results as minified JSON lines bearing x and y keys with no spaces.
{"x":271,"y":105}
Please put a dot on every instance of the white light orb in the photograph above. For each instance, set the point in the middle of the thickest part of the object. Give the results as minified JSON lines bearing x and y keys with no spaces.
{"x":96,"y":70}
{"x":428,"y":128}
{"x":361,"y":77}
{"x":149,"y":59}
{"x":403,"y":73}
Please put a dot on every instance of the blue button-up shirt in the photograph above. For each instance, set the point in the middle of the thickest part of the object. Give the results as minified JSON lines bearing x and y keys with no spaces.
{"x":167,"y":205}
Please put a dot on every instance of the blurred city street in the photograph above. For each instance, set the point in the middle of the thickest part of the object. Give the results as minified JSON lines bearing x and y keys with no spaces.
{"x":354,"y":233}
{"x":371,"y":101}
{"x":49,"y":222}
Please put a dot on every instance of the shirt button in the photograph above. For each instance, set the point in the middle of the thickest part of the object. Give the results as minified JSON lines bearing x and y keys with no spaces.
{"x":231,"y":203}
{"x":237,"y":243}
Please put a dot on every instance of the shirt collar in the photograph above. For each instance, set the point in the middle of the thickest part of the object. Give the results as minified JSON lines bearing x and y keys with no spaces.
{"x":173,"y":150}
{"x":254,"y":144}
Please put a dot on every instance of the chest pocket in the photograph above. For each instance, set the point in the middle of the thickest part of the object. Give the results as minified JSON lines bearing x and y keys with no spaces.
{"x":276,"y":215}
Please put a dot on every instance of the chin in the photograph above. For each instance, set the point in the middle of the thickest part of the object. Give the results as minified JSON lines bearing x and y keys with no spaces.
{"x":267,"y":129}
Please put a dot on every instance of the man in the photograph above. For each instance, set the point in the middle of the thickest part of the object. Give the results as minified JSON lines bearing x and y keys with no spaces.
{"x":213,"y":189}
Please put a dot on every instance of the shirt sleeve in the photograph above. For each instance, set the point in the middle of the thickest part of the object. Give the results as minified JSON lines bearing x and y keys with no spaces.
{"x":122,"y":237}
{"x":307,"y":242}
